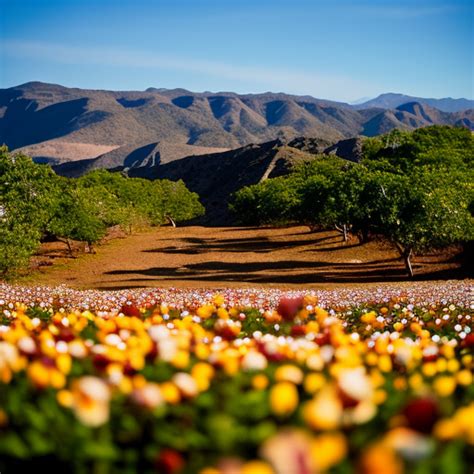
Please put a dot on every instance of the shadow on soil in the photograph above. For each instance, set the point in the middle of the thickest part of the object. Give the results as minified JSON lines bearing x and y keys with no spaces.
{"x":257,"y":245}
{"x":304,"y":252}
{"x":282,"y":272}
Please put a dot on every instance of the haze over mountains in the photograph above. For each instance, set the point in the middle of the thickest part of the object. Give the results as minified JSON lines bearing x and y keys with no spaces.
{"x":131,"y":129}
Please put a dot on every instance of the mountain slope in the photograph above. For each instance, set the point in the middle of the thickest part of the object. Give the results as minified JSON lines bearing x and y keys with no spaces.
{"x":216,"y":176}
{"x":392,"y":101}
{"x":57,"y":124}
{"x":36,"y":112}
{"x":132,"y":156}
{"x":414,"y":115}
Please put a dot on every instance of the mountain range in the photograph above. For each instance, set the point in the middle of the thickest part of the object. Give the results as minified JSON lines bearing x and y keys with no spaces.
{"x":131,"y":129}
{"x":392,"y":101}
{"x":215,"y":142}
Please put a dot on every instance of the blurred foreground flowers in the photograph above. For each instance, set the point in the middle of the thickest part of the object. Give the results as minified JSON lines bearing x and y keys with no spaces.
{"x":226,"y":384}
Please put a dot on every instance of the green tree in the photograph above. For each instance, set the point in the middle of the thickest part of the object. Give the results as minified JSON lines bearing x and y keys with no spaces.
{"x":27,"y":199}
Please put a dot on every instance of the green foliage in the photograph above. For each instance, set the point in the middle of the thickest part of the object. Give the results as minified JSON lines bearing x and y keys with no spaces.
{"x":271,"y":202}
{"x":435,"y":147}
{"x":35,"y":203}
{"x":414,"y":188}
{"x":27,"y":196}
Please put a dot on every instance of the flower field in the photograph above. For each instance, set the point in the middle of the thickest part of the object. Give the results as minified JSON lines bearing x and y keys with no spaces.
{"x":237,"y":381}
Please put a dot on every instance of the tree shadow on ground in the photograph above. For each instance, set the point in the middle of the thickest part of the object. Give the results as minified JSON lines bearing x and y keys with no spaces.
{"x":284,"y":272}
{"x":259,"y":245}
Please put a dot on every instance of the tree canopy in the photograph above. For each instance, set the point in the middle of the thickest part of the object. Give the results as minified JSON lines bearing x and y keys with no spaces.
{"x":36,"y":203}
{"x":416,"y":189}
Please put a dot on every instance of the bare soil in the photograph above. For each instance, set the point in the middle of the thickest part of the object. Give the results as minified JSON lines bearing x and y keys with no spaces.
{"x":234,"y":257}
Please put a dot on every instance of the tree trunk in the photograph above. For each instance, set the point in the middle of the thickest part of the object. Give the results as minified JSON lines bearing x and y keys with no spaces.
{"x":343,"y":231}
{"x":171,"y":221}
{"x":407,"y":254}
{"x":89,"y":248}
{"x":363,"y":236}
{"x":69,"y":246}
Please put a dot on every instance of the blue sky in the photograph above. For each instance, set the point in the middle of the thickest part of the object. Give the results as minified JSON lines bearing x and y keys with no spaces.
{"x":338,"y":49}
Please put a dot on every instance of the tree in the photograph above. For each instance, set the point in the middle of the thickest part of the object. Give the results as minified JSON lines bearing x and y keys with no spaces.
{"x":79,"y":215}
{"x":27,"y":199}
{"x":419,"y":213}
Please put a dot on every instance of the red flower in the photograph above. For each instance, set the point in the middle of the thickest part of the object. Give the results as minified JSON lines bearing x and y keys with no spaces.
{"x":289,"y":307}
{"x":130,"y":310}
{"x":421,"y":414}
{"x":169,"y":462}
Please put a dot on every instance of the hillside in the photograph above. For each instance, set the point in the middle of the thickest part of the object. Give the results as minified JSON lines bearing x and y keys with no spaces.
{"x":56,"y":124}
{"x":415,"y":115}
{"x":132,"y":156}
{"x":392,"y":101}
{"x":216,"y":176}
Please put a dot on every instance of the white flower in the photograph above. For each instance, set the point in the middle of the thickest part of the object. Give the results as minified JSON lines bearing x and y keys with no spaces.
{"x":254,"y":360}
{"x":186,"y":384}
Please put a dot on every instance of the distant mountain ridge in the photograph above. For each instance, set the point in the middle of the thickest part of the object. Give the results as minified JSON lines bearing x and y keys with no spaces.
{"x":57,"y":124}
{"x":392,"y":101}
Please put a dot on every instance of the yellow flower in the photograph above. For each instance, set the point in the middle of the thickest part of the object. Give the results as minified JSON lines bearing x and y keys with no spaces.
{"x":202,"y":351}
{"x":380,"y":458}
{"x":206,"y":311}
{"x":444,"y":385}
{"x":324,"y":411}
{"x":446,"y":429}
{"x":398,"y":326}
{"x":204,"y":369}
{"x":65,"y":398}
{"x":368,"y":318}
{"x":256,"y":467}
{"x":380,"y":396}
{"x":260,"y":382}
{"x":222,"y":313}
{"x":181,"y":359}
{"x":400,"y":383}
{"x":327,"y":450}
{"x":170,"y":393}
{"x":283,"y":398}
{"x":463,"y":418}
{"x":289,"y":373}
{"x":38,"y":373}
{"x":385,"y":363}
{"x":218,"y":300}
{"x":314,"y":382}
{"x":464,"y":377}
{"x":453,"y":365}
{"x":56,"y":379}
{"x":63,"y":363}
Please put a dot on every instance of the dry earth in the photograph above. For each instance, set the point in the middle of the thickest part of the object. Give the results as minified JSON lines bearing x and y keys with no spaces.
{"x":289,"y":257}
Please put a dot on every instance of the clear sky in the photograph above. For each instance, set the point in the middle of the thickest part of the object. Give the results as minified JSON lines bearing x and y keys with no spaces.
{"x":337,"y":49}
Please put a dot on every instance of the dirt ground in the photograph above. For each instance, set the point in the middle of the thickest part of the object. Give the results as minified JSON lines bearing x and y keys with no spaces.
{"x":228,"y":257}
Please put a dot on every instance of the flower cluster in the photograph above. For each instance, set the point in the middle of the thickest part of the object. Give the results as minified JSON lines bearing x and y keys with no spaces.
{"x":239,"y":381}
